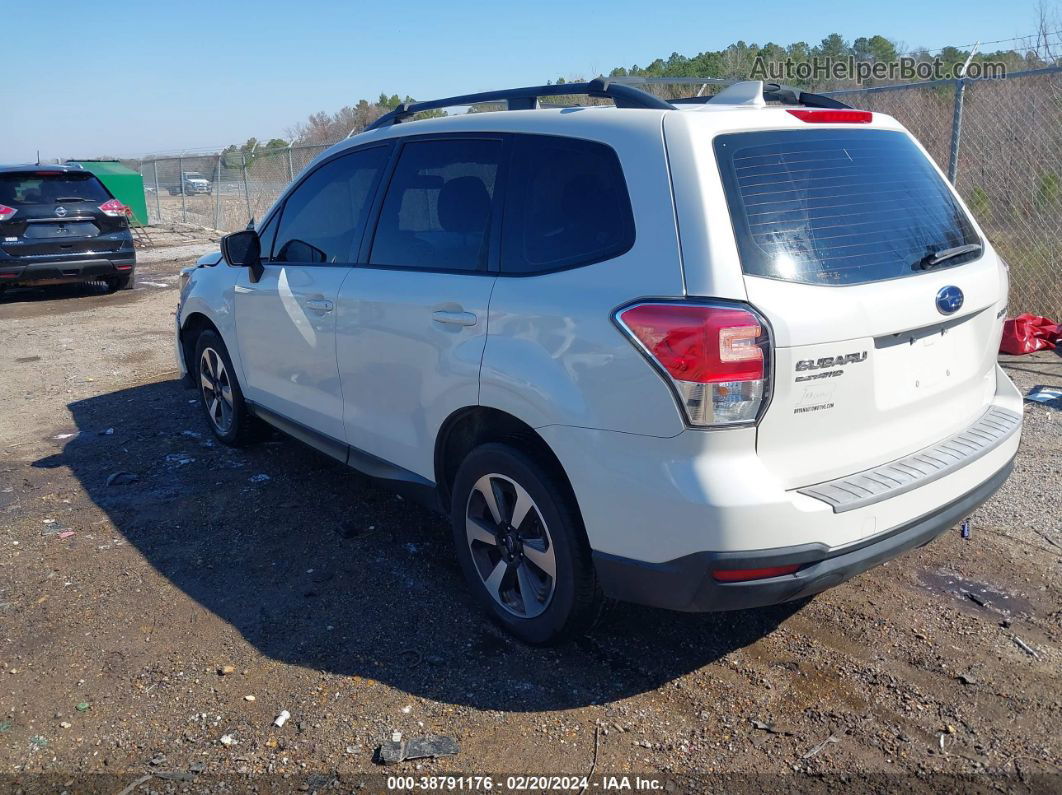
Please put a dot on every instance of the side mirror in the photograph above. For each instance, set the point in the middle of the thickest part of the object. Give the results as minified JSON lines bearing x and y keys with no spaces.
{"x":244,"y":250}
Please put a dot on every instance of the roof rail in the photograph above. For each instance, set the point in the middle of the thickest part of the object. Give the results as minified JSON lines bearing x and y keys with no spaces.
{"x":624,"y":96}
{"x":636,"y":80}
{"x":772,"y":92}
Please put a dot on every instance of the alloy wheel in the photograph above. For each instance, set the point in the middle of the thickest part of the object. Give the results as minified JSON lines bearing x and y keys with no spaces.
{"x":217,"y":389}
{"x":510,"y":545}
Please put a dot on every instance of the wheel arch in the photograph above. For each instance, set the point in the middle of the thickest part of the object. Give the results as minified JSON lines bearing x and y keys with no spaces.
{"x":472,"y":426}
{"x":194,"y":325}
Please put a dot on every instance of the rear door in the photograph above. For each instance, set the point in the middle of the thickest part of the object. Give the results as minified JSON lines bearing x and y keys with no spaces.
{"x":286,"y":321}
{"x":856,"y":251}
{"x":413,"y":314}
{"x":58,"y":214}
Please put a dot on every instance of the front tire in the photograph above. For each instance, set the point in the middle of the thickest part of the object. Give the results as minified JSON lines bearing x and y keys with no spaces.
{"x":219,"y":392}
{"x":522,"y":546}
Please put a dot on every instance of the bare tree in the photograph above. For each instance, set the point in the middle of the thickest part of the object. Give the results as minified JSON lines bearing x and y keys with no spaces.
{"x":326,"y":128}
{"x":1048,"y":24}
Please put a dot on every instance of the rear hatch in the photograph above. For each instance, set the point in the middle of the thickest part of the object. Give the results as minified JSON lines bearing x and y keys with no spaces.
{"x":58,"y":214}
{"x":885,"y":305}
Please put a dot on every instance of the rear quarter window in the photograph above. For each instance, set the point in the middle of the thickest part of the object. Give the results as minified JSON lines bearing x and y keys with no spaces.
{"x":567,"y":205}
{"x":837,"y":206}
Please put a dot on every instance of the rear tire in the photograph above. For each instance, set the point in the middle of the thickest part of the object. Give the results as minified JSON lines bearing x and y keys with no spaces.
{"x":522,"y":546}
{"x":219,"y":393}
{"x":116,"y":283}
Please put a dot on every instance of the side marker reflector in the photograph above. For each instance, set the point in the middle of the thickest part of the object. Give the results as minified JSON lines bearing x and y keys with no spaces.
{"x":744,"y":575}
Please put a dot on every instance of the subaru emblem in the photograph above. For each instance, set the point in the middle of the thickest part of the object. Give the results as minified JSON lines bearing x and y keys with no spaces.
{"x":949,"y":299}
{"x":60,"y":211}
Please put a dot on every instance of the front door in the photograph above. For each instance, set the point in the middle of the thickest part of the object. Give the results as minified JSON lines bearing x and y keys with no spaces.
{"x":286,"y":321}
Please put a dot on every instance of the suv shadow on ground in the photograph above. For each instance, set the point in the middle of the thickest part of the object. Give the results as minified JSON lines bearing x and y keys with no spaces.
{"x":318,"y":567}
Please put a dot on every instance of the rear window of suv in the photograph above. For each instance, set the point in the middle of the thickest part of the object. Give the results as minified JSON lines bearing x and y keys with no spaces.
{"x":43,"y":188}
{"x":837,"y":206}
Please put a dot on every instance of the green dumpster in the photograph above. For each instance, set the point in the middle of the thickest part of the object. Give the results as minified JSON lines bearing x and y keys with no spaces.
{"x":126,"y":185}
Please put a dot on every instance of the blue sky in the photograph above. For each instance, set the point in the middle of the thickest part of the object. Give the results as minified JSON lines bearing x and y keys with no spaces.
{"x":131,"y":78}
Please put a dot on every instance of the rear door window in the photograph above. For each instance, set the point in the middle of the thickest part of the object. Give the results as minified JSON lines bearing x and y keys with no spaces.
{"x":438,"y":208}
{"x":19,"y":189}
{"x":837,"y":206}
{"x":323,"y":219}
{"x":567,"y":205}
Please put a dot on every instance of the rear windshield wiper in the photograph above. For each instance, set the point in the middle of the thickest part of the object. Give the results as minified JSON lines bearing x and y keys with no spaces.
{"x":71,"y":199}
{"x":934,"y":258}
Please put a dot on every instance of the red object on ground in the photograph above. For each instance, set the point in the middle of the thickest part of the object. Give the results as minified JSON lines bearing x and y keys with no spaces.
{"x":1028,"y":334}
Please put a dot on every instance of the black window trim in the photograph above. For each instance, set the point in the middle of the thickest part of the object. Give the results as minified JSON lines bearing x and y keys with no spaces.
{"x":583,"y":263}
{"x":497,"y":203}
{"x":359,"y":233}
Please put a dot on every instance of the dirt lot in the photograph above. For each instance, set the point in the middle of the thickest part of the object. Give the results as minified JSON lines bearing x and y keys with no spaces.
{"x":121,"y":605}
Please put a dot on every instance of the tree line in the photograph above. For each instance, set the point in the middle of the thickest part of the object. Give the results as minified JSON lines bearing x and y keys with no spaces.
{"x":735,"y":61}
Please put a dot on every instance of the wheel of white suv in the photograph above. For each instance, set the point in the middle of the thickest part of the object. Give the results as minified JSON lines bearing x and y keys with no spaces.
{"x":219,"y":392}
{"x":522,"y":546}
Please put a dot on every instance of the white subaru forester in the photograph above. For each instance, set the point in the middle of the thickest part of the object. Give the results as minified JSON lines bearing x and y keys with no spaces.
{"x":701,"y":355}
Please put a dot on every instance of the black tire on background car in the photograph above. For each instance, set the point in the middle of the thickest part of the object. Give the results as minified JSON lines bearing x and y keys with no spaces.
{"x":220,"y":394}
{"x":116,"y":283}
{"x":522,"y":546}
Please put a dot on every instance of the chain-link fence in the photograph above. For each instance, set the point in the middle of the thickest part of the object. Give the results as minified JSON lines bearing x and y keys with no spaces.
{"x":220,"y":191}
{"x":999,"y":140}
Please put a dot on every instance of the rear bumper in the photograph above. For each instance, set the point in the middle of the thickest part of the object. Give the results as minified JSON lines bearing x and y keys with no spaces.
{"x":661,"y":513}
{"x":687,"y":584}
{"x":59,"y":270}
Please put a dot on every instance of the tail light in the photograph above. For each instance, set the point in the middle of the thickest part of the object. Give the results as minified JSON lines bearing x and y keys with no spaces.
{"x":830,"y":116}
{"x":114,"y":208}
{"x":716,"y":357}
{"x":7,"y":213}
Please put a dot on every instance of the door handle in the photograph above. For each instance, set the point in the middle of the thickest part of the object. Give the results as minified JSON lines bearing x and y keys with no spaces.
{"x":454,"y":318}
{"x":322,"y":305}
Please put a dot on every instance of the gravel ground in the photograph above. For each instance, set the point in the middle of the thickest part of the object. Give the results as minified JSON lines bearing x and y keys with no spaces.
{"x":121,"y":606}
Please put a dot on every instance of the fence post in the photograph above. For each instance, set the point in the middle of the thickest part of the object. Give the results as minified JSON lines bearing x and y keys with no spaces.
{"x":180,"y":176}
{"x":217,"y":193}
{"x":246,"y":192}
{"x":956,"y":130}
{"x":291,"y":168}
{"x":158,"y":201}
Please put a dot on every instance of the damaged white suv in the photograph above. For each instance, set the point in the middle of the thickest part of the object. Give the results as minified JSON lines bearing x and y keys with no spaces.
{"x":701,"y":355}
